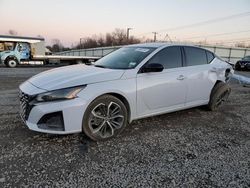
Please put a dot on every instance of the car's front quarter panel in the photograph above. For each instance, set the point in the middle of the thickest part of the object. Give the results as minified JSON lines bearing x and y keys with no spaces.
{"x":125,"y":87}
{"x":73,"y":110}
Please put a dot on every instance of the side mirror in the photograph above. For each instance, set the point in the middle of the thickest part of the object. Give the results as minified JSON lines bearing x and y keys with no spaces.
{"x":152,"y":67}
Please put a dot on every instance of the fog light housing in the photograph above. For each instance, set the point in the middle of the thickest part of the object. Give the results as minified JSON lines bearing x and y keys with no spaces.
{"x":53,"y":121}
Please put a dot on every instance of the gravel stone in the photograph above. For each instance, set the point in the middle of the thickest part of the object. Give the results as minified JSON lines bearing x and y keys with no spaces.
{"x":189,"y":148}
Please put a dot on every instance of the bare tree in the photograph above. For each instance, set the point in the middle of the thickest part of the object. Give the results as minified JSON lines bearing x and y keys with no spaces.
{"x":119,"y":36}
{"x":40,"y":36}
{"x":241,"y":45}
{"x":56,"y":45}
{"x":109,"y":40}
{"x":12,"y":32}
{"x":101,"y":41}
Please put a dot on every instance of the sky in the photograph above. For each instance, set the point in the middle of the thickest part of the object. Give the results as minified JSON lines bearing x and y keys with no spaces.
{"x":70,"y":20}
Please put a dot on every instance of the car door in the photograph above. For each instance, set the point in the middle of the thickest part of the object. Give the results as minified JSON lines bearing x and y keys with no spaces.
{"x":162,"y":91}
{"x":200,"y":77}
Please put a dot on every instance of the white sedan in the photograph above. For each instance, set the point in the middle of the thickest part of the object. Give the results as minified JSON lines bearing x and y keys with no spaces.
{"x":134,"y":82}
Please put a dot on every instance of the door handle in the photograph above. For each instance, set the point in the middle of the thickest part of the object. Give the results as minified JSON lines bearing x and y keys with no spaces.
{"x":181,"y":77}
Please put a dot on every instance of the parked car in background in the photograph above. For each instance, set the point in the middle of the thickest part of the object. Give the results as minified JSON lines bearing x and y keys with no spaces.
{"x":243,"y":64}
{"x":133,"y":82}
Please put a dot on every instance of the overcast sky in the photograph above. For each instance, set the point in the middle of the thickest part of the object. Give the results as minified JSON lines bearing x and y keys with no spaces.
{"x":68,"y":20}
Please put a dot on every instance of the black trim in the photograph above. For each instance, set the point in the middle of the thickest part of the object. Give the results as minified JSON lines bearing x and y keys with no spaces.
{"x":207,"y":51}
{"x":183,"y":54}
{"x":42,"y":123}
{"x":184,"y":57}
{"x":26,"y":101}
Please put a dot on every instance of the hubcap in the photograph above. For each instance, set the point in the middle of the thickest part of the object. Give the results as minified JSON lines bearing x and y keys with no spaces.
{"x":12,"y":63}
{"x":105,"y":119}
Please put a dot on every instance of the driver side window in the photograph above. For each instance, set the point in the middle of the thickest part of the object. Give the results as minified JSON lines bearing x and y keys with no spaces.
{"x":169,"y":57}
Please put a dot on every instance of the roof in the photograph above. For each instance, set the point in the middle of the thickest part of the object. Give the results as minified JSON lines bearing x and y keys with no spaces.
{"x":159,"y":44}
{"x":8,"y":38}
{"x":150,"y":45}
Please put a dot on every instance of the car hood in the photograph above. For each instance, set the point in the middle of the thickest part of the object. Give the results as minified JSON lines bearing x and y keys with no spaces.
{"x":74,"y":75}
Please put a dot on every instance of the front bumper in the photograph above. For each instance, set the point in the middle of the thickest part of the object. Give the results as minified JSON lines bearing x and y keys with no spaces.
{"x":244,"y":65}
{"x":72,"y":115}
{"x":70,"y":112}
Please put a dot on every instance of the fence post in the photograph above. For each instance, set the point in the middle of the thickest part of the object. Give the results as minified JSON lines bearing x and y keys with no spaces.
{"x":230,"y":51}
{"x":245,"y":53}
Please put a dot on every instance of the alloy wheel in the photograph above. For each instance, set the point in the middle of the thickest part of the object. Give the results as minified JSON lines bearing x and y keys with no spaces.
{"x":105,"y":119}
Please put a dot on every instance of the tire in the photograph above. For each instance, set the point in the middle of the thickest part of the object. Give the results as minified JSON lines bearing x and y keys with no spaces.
{"x":12,"y":63}
{"x":237,"y":67}
{"x":98,"y":124}
{"x":219,"y":94}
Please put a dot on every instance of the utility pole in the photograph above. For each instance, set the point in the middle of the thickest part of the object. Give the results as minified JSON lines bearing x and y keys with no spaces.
{"x":155,"y":33}
{"x":81,"y":43}
{"x":128,"y":29}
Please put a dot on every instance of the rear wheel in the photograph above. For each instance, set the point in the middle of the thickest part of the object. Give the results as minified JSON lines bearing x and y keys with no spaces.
{"x":219,"y":95}
{"x":11,"y":63}
{"x":105,"y":118}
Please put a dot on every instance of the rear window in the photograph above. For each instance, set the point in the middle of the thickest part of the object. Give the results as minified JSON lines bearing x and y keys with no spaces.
{"x":195,"y":56}
{"x":210,"y":56}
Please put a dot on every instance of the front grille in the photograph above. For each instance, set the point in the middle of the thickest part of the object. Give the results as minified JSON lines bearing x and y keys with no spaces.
{"x":25,"y":106}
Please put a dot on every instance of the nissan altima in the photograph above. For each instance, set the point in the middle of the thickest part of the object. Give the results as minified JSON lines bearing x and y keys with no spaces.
{"x":133,"y":82}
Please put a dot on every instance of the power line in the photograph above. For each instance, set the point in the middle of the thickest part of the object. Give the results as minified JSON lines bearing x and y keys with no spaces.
{"x":218,"y":34}
{"x":232,"y":40}
{"x":204,"y":22}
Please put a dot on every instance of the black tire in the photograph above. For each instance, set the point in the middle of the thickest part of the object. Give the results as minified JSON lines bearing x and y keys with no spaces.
{"x":110,"y":124}
{"x":219,"y":94}
{"x":12,"y":63}
{"x":237,"y":67}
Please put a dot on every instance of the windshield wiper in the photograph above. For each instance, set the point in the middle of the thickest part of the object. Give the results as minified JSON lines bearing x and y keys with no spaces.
{"x":101,"y":66}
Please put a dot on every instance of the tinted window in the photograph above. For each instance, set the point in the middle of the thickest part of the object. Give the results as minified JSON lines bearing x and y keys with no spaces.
{"x":195,"y":56}
{"x":169,"y":57}
{"x":210,"y":56}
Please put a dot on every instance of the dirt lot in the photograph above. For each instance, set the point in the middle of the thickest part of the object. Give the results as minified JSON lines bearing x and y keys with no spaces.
{"x":191,"y":148}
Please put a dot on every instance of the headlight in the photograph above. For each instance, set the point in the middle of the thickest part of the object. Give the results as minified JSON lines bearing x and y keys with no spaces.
{"x":61,"y":94}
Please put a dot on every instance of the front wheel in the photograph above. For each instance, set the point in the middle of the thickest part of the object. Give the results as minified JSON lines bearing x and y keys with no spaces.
{"x":105,"y":118}
{"x":11,"y":63}
{"x":219,"y":95}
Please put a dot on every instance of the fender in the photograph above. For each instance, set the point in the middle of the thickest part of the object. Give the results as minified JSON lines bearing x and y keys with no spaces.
{"x":11,"y":57}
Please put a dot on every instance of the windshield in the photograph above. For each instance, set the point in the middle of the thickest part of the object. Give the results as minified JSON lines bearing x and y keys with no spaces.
{"x":124,"y":58}
{"x":246,"y":58}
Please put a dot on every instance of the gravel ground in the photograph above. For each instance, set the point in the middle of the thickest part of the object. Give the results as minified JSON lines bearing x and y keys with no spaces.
{"x":190,"y":148}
